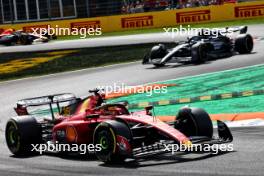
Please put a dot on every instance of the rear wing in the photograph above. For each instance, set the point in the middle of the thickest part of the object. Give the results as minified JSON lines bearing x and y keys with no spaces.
{"x":240,"y":29}
{"x":226,"y":30}
{"x":22,"y":105}
{"x":45,"y":100}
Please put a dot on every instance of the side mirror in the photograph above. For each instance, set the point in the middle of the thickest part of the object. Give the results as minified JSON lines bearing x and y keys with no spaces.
{"x":148,"y":109}
{"x":93,"y":116}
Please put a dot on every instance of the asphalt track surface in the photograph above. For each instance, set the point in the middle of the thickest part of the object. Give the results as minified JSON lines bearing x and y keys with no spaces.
{"x":247,"y":158}
{"x":106,"y":41}
{"x":93,"y":42}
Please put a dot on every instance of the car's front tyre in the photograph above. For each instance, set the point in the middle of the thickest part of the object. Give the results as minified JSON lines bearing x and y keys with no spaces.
{"x":108,"y":135}
{"x":194,"y":122}
{"x":199,"y":53}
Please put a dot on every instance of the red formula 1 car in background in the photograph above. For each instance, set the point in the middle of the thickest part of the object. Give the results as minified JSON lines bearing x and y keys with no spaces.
{"x":11,"y":37}
{"x":119,"y":133}
{"x":6,"y":32}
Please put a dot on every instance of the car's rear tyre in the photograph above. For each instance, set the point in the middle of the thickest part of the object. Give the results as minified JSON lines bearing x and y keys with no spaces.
{"x":106,"y":134}
{"x":194,"y":122}
{"x":8,"y":41}
{"x":244,"y":44}
{"x":199,"y":53}
{"x":21,"y":133}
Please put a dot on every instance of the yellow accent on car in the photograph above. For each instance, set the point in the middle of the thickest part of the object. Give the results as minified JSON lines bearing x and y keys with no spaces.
{"x":187,"y":143}
{"x":84,"y":105}
{"x":114,"y":137}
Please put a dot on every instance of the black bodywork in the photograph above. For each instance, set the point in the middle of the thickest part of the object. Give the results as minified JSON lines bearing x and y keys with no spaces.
{"x":24,"y":38}
{"x":198,"y":49}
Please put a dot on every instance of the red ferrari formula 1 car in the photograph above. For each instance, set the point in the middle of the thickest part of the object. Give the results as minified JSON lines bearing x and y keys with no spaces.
{"x":11,"y":37}
{"x":120,"y":134}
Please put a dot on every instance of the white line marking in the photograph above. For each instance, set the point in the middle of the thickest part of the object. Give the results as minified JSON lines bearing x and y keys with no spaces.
{"x":246,"y":123}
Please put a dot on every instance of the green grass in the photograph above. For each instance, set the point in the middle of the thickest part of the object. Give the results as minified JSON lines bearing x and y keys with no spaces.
{"x":83,"y":58}
{"x":251,"y":78}
{"x":156,"y":30}
{"x":240,"y":80}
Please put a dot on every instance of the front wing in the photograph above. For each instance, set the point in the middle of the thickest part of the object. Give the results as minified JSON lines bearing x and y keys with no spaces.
{"x":162,"y":147}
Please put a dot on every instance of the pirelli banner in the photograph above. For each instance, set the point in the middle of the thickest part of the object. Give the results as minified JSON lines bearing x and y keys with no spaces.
{"x":227,"y":12}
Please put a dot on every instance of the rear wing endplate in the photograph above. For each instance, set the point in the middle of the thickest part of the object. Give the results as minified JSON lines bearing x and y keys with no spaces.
{"x":45,"y":100}
{"x":21,"y":108}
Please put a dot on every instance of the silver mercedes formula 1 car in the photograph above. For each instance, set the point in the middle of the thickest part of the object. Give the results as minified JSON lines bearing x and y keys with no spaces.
{"x":202,"y":47}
